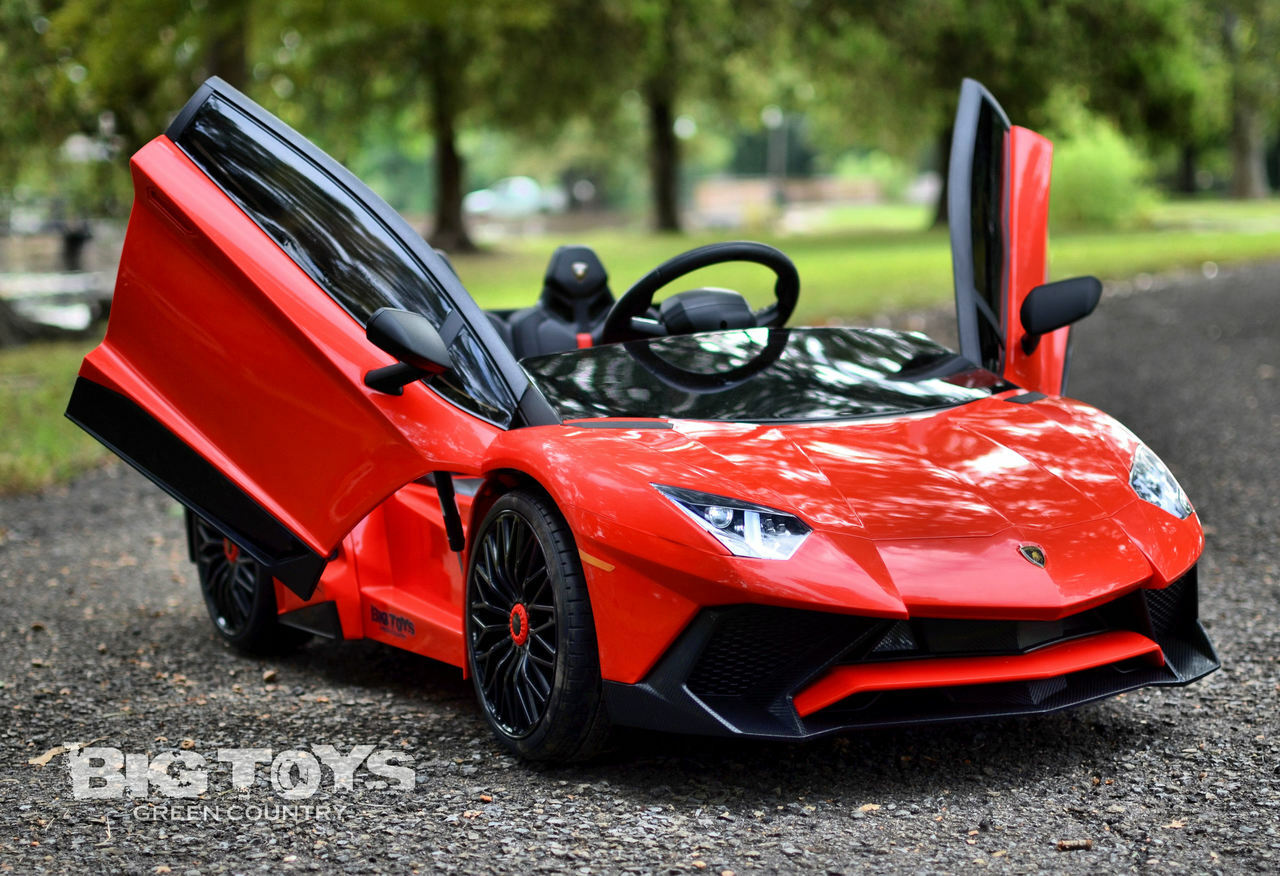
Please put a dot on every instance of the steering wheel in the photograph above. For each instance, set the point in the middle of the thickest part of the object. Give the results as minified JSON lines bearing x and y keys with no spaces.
{"x":619,"y":325}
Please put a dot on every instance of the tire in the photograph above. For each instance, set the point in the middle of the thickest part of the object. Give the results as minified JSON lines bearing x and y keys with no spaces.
{"x":530,"y":636}
{"x":239,"y":595}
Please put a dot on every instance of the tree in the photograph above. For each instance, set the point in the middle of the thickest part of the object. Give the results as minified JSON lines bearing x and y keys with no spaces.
{"x":1170,"y":84}
{"x":444,"y":65}
{"x":140,"y":59}
{"x":1251,"y":44}
{"x":900,"y":64}
{"x":111,"y":73}
{"x":675,"y":52}
{"x":586,"y":57}
{"x":28,"y":67}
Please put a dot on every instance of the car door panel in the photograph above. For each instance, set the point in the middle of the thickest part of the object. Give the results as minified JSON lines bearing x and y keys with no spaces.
{"x":998,"y":213}
{"x":235,"y":381}
{"x":1041,"y":367}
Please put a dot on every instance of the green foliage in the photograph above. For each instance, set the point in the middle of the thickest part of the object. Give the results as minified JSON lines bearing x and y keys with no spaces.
{"x":886,"y":73}
{"x":546,"y":87}
{"x":110,"y":72}
{"x":27,"y":73}
{"x":1152,"y":66}
{"x":888,"y":173}
{"x":1099,"y":178}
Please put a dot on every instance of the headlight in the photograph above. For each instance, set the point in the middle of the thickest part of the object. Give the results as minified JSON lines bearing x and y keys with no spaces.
{"x":745,"y":529}
{"x":1153,"y":481}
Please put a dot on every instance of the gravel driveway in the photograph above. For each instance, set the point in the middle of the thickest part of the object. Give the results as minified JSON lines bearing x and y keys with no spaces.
{"x":104,"y":639}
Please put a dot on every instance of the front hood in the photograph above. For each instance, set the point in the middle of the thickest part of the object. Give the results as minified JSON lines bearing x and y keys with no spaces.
{"x":922,"y":514}
{"x":971,"y":471}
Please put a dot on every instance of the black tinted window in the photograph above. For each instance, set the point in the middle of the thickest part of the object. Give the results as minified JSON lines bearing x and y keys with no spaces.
{"x":335,"y":239}
{"x":986,"y":223}
{"x":761,"y":375}
{"x":481,"y":388}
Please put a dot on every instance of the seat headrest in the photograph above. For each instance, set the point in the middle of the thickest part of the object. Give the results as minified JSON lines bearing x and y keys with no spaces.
{"x":575,"y":273}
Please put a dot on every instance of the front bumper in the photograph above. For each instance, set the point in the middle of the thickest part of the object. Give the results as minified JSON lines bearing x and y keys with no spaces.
{"x":777,"y":673}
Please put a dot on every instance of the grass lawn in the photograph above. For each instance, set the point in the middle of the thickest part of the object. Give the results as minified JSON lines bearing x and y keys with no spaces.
{"x":841,"y":274}
{"x":1260,"y":215}
{"x":859,"y":262}
{"x":863,"y":264}
{"x":38,"y":445}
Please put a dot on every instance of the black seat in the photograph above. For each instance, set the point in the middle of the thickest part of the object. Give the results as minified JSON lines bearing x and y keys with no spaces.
{"x":500,"y":326}
{"x":575,"y":299}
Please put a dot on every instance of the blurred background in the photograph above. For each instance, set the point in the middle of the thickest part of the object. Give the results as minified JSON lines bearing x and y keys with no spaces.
{"x":502,"y":128}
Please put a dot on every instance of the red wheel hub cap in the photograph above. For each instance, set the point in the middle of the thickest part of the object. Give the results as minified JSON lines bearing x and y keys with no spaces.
{"x":519,"y":624}
{"x":230,"y":550}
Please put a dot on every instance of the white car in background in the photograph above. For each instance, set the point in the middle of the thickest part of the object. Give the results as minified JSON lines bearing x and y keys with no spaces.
{"x":514,"y":197}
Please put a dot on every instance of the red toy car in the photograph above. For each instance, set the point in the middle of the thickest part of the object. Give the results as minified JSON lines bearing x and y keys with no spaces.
{"x":685,"y":517}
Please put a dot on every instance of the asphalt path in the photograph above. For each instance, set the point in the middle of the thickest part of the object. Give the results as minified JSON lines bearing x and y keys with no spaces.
{"x":104,"y":640}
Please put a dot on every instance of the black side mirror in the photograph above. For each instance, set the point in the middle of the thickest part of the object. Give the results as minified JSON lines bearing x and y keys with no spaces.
{"x":411,"y":338}
{"x":1053,"y":305}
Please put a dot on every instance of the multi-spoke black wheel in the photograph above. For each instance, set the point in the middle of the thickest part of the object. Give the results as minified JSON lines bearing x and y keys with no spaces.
{"x":240,"y":597}
{"x":530,"y":637}
{"x":513,"y":624}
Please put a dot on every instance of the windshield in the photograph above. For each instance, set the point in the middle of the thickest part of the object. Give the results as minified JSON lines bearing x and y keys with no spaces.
{"x":761,"y":376}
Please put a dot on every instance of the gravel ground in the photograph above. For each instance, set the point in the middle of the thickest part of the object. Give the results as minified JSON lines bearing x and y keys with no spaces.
{"x":103,"y":637}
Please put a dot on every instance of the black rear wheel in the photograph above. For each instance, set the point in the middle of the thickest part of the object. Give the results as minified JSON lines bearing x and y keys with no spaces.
{"x":531,"y":644}
{"x":240,"y":596}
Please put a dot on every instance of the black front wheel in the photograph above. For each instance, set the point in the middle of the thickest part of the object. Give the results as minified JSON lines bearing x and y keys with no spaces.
{"x":531,"y":643}
{"x":240,"y":596}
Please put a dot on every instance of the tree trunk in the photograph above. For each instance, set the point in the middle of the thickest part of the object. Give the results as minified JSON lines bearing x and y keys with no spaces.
{"x":1248,"y":156}
{"x":664,"y":156}
{"x":660,"y":101}
{"x":449,"y":231}
{"x":943,"y":145}
{"x":1248,"y":152}
{"x":227,"y":57}
{"x":1188,"y":161}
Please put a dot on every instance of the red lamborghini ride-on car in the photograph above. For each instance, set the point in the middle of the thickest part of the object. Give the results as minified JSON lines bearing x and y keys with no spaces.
{"x":680,"y":515}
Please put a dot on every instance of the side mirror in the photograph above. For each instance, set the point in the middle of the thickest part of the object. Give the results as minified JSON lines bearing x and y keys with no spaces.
{"x":1051,"y":306}
{"x":410,"y":338}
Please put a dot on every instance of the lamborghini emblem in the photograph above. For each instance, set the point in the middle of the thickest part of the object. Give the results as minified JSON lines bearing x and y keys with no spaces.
{"x":1032,"y":554}
{"x":579,"y":270}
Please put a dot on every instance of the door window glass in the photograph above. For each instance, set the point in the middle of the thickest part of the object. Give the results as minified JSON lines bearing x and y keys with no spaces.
{"x":986,"y":225}
{"x":334,"y":237}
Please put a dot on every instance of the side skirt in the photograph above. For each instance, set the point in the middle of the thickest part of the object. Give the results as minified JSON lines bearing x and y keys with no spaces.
{"x":320,"y":619}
